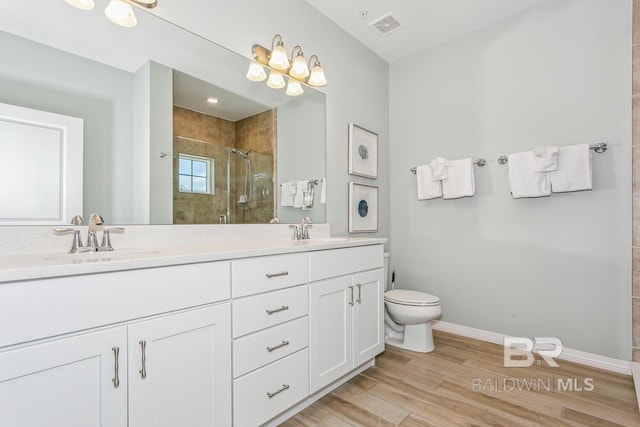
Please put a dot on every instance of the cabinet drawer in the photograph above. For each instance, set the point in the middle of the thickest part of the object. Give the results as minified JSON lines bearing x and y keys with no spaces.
{"x":263,"y":394}
{"x":262,"y":311}
{"x":338,"y":262}
{"x":259,"y":349}
{"x":254,"y":275}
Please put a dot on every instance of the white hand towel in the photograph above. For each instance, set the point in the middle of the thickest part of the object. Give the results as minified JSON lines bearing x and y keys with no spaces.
{"x":286,"y":198}
{"x":439,"y":169}
{"x":546,"y":159}
{"x":298,"y":198}
{"x":574,"y":171}
{"x":524,"y":181}
{"x":323,"y":191}
{"x":460,"y":181}
{"x":427,"y":189}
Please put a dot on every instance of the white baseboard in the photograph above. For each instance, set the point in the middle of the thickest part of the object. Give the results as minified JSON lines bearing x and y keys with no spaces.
{"x":570,"y":355}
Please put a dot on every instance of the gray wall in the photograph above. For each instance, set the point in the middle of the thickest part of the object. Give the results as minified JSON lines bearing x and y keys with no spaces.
{"x":558,"y":266}
{"x":358,"y":79}
{"x":99,"y":94}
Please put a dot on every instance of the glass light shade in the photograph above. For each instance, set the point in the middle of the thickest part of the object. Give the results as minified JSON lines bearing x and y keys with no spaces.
{"x":256,"y":72}
{"x":81,"y":4}
{"x":294,"y":88}
{"x":121,"y":13}
{"x":299,"y":68}
{"x":317,"y":77}
{"x":278,"y":59}
{"x":276,"y":80}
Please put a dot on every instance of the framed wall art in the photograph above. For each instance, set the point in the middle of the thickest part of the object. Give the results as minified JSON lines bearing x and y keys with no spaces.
{"x":363,"y":152}
{"x":363,"y":208}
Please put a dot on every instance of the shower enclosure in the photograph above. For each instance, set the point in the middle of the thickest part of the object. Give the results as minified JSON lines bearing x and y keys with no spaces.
{"x":235,"y":188}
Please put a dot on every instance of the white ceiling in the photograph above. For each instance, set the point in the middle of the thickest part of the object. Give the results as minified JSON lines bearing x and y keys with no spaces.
{"x":424,"y":23}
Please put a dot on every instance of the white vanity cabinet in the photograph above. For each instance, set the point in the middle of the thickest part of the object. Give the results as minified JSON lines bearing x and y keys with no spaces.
{"x":346,"y":314}
{"x":74,"y":370}
{"x":270,"y":331}
{"x":72,"y":381}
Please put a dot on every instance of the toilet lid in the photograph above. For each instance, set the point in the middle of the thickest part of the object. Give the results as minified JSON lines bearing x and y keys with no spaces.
{"x":406,"y":297}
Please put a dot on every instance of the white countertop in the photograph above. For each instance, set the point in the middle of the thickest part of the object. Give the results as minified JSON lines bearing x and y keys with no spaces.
{"x":54,"y":264}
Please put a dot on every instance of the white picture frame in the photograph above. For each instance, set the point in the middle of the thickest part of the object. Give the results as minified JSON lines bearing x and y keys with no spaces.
{"x":363,"y":208}
{"x":363,"y":152}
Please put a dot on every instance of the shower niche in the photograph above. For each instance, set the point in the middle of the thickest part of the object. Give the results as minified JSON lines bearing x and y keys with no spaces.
{"x":242,"y":159}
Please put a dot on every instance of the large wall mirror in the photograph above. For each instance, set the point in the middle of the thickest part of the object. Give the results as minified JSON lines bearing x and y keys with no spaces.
{"x":155,"y":151}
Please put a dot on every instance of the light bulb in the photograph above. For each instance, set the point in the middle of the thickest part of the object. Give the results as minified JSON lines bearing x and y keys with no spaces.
{"x":317,"y":77}
{"x":121,"y":13}
{"x":278,"y":59}
{"x":294,"y":88}
{"x":256,"y":72}
{"x":81,"y":4}
{"x":276,"y":80}
{"x":299,"y":68}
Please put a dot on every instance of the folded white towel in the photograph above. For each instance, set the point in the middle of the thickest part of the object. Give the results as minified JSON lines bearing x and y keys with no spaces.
{"x":460,"y":181}
{"x":574,"y":171}
{"x":323,"y":191}
{"x":427,"y":189}
{"x":546,"y":159}
{"x":524,"y":181}
{"x":298,"y":198}
{"x":286,"y":198}
{"x":439,"y":169}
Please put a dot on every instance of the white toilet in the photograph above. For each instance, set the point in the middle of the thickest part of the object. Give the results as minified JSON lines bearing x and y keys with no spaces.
{"x":408,"y":317}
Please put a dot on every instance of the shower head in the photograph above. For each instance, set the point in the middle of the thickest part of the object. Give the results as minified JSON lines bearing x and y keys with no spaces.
{"x":240,"y":153}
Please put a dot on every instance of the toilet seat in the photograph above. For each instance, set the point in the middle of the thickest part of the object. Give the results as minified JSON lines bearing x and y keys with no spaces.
{"x":407,"y":297}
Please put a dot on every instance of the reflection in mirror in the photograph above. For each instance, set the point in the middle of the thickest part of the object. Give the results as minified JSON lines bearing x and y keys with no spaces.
{"x":130,"y":129}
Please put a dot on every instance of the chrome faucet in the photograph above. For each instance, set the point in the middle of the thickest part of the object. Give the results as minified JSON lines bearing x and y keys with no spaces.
{"x":92,"y":241}
{"x":302,"y":232}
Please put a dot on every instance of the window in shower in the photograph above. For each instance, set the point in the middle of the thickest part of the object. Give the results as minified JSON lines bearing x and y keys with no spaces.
{"x":195,"y":174}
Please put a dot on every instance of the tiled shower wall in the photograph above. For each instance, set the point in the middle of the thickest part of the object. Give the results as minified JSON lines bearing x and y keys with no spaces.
{"x":256,"y":133}
{"x":636,"y":181}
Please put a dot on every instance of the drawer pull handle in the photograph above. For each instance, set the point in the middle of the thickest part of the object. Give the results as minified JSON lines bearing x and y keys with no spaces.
{"x":275,"y":347}
{"x":283,"y":308}
{"x":143,"y":371}
{"x":351,"y":289}
{"x":116,"y":367}
{"x":272,"y":275}
{"x":359,"y":300}
{"x":284,"y":387}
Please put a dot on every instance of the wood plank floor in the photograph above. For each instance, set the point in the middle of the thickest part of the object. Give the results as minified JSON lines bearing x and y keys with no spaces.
{"x":463,"y":383}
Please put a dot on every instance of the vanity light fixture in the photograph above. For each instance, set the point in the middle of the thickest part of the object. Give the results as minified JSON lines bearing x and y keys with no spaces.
{"x":295,"y":68}
{"x":118,"y":11}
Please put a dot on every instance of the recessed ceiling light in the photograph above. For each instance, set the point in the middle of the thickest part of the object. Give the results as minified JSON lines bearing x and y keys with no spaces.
{"x":212,"y":100}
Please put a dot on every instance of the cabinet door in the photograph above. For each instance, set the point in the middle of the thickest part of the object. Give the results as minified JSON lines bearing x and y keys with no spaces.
{"x":368,"y":316}
{"x":330,"y":331}
{"x":66,"y":382}
{"x":183,"y":377}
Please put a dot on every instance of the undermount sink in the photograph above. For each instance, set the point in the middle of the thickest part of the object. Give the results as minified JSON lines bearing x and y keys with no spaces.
{"x":101,"y":256}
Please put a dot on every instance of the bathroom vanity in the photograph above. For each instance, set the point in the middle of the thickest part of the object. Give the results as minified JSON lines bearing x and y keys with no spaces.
{"x":245,"y":335}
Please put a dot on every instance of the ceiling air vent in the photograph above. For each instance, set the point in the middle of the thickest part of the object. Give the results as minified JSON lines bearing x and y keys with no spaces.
{"x":385,"y":24}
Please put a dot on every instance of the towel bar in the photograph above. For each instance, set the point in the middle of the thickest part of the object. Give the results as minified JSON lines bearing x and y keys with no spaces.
{"x":598,"y":148}
{"x":480,"y":162}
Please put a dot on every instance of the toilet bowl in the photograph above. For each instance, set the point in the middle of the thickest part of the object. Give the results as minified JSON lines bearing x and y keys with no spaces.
{"x":408,"y":319}
{"x":408,"y":315}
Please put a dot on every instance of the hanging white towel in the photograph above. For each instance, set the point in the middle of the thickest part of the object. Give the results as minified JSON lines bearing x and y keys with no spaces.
{"x":323,"y":191}
{"x":427,"y":189}
{"x":546,"y":159}
{"x":524,"y":181}
{"x":439,"y":169}
{"x":288,"y":191}
{"x":574,"y":171}
{"x":460,"y":181}
{"x":301,"y":187}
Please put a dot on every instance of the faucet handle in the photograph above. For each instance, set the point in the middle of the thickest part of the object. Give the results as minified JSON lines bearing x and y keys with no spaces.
{"x":296,"y":232}
{"x":106,"y":238}
{"x":76,"y":246}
